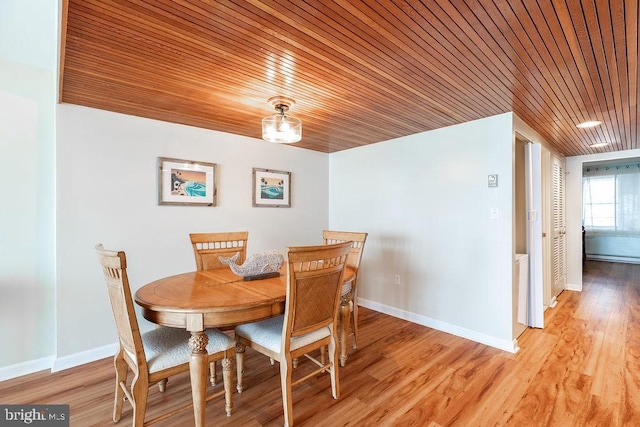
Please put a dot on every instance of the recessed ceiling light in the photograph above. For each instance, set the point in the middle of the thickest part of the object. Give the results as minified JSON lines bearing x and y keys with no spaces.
{"x":599,"y":144}
{"x":589,"y":124}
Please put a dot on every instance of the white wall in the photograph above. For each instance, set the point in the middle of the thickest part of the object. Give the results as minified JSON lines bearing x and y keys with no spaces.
{"x":425,"y":202}
{"x":27,"y":123}
{"x":574,"y":210}
{"x":29,"y":32}
{"x":26,"y":246}
{"x":106,"y":193}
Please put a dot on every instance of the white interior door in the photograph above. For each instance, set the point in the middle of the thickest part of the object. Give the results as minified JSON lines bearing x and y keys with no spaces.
{"x":559,"y":228}
{"x":533,"y":183}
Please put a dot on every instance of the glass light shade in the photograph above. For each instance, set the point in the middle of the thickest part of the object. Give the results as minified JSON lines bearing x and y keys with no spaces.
{"x":589,"y":124}
{"x":281,"y":129}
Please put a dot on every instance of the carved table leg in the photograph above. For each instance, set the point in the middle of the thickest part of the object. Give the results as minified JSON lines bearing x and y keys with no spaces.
{"x":227,"y":380}
{"x":239,"y":365}
{"x":345,"y":317}
{"x":198,"y":371}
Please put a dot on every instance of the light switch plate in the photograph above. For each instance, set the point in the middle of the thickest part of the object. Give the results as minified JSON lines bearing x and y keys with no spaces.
{"x":493,"y":180}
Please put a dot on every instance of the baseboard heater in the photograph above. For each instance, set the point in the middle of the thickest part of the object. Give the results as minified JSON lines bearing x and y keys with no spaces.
{"x":611,"y":258}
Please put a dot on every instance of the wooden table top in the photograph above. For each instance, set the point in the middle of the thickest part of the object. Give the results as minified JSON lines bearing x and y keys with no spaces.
{"x":221,"y":297}
{"x":210,"y":290}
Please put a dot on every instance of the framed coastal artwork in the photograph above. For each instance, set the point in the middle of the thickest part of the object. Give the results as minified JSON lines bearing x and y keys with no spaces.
{"x":186,"y":182}
{"x":271,"y":188}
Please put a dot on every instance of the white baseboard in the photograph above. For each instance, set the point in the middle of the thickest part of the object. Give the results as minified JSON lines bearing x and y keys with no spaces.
{"x":25,"y":368}
{"x":55,"y":364}
{"x":77,"y":359}
{"x":572,"y":287}
{"x":510,"y":346}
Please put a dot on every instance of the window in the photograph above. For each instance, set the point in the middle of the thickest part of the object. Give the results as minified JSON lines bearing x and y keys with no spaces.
{"x":611,"y":198}
{"x":599,"y":196}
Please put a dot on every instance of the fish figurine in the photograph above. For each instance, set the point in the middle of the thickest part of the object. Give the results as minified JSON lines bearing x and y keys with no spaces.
{"x":261,"y":264}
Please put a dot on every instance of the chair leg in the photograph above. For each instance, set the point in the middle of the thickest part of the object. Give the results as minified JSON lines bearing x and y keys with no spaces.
{"x":162,"y":385}
{"x":354,"y":314}
{"x":227,"y":380}
{"x":212,"y":373}
{"x":286,"y":368}
{"x":345,"y":317}
{"x":139,"y":394}
{"x":122,"y":370}
{"x":354,"y":323}
{"x":240,"y":348}
{"x":333,"y":370}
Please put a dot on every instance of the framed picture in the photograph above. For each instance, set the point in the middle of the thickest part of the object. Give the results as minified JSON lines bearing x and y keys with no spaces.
{"x":185,"y":182}
{"x":271,"y":188}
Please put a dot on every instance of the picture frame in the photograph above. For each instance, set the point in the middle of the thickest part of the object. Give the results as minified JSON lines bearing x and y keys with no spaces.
{"x":271,"y":188}
{"x":186,"y":182}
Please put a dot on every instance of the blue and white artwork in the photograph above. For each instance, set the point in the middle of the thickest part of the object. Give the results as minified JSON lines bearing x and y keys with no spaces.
{"x":271,"y":188}
{"x":188,"y":183}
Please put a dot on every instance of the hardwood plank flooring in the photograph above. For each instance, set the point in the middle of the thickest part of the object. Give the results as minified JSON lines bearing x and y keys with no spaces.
{"x":582,"y":369}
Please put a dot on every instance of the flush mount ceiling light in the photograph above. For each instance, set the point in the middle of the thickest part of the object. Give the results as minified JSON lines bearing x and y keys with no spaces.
{"x":589,"y":124}
{"x":280,"y":127}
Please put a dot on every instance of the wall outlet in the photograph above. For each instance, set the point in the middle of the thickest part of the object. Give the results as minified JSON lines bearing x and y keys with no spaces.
{"x":396,"y":279}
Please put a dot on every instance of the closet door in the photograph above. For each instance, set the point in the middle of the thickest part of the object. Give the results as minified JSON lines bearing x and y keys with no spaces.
{"x":559,"y":228}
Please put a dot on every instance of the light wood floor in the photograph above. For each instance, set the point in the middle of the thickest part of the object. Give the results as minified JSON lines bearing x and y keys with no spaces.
{"x":582,"y":369}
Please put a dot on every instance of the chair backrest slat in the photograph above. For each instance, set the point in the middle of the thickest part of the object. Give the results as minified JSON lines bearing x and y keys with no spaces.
{"x":207,"y":247}
{"x":358,"y":240}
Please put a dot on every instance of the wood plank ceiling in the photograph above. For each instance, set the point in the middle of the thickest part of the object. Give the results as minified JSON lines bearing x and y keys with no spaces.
{"x":361,"y":71}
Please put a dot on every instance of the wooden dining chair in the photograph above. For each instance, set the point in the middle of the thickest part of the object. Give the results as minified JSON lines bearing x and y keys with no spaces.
{"x":207,"y":247}
{"x":155,"y":355}
{"x":348,"y":300}
{"x":314,"y":280}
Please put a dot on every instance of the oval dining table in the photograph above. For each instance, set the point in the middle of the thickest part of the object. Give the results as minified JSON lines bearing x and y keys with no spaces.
{"x":218,"y":298}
